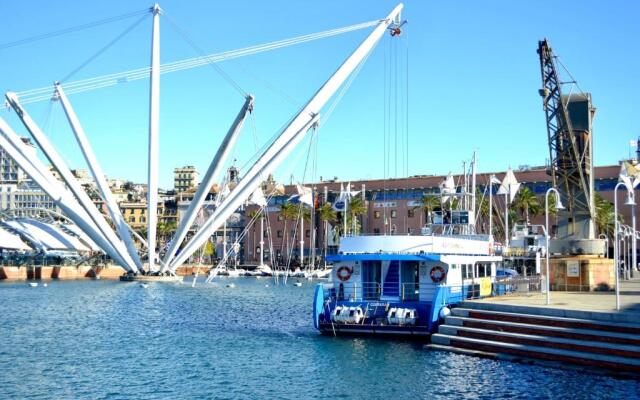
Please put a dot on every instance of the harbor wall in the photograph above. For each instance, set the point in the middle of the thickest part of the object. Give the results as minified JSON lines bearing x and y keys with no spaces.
{"x":30,"y":272}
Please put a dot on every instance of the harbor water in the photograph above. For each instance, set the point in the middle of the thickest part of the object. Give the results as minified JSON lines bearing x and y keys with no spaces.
{"x":113,"y":340}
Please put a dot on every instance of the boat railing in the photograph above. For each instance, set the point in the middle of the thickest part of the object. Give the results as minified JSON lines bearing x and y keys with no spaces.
{"x":372,"y":291}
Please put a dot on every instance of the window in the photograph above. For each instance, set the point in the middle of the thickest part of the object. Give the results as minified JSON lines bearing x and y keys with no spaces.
{"x":279,"y":233}
{"x":280,"y":218}
{"x":143,"y":219}
{"x":376,"y":214}
{"x":467,"y":271}
{"x":411,"y":213}
{"x":376,"y":231}
{"x":394,"y":213}
{"x":132,"y":219}
{"x":307,"y":233}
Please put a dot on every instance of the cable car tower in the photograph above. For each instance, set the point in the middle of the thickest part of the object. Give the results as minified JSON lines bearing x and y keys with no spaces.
{"x":569,"y":130}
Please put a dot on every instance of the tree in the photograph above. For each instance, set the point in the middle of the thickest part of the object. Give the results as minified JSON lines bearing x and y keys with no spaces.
{"x":288,"y":211}
{"x":605,"y":216}
{"x":356,"y":209}
{"x":527,"y":204}
{"x":428,"y":204}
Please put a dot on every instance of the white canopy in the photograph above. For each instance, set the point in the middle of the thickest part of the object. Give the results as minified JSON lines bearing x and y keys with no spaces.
{"x":11,"y":241}
{"x":45,"y":236}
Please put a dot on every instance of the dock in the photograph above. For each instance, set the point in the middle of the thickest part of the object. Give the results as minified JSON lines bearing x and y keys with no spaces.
{"x":575,"y":329}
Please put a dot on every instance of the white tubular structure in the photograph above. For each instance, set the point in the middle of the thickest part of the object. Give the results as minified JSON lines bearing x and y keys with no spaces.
{"x":12,"y":144}
{"x":77,"y":190}
{"x":243,"y":190}
{"x":154,"y":128}
{"x":286,"y":141}
{"x":209,"y":178}
{"x":98,"y":176}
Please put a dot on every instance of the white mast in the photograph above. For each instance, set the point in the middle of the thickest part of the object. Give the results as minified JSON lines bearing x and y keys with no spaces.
{"x":473,"y":189}
{"x":208,"y":180}
{"x":154,"y":128}
{"x":98,"y":176}
{"x":301,"y":236}
{"x":288,"y":139}
{"x":12,"y":144}
{"x":262,"y":236}
{"x":66,"y":174}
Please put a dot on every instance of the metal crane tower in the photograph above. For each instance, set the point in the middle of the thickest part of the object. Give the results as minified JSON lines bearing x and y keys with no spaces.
{"x":569,"y":131}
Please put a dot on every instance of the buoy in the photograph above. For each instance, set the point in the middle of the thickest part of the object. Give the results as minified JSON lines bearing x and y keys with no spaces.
{"x":144,"y":285}
{"x":45,"y":285}
{"x":297,"y":284}
{"x":267,"y":285}
{"x":231,"y":285}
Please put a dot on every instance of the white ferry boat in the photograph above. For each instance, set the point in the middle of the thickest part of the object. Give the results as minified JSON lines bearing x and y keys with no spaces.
{"x":403,"y":285}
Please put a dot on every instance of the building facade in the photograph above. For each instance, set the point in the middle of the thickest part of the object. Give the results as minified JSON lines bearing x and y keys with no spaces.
{"x":394,"y":206}
{"x":185,"y":178}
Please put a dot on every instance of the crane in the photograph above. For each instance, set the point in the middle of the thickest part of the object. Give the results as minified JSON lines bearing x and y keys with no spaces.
{"x":569,"y":132}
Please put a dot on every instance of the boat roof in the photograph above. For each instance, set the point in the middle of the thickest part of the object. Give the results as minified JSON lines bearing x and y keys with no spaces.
{"x":382,"y":257}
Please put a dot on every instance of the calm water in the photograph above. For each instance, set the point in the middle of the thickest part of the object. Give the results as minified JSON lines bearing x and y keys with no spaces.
{"x":102,"y":339}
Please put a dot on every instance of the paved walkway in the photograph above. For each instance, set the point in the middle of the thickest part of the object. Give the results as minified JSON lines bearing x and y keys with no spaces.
{"x":604,"y":302}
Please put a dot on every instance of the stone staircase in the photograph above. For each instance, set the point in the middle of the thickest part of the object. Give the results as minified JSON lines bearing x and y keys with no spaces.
{"x":506,"y":332}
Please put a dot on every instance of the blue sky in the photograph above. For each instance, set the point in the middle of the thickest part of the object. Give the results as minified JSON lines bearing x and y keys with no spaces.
{"x":473,"y":80}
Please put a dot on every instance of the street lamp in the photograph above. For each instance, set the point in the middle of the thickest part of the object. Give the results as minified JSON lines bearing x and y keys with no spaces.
{"x":616,"y":248}
{"x":559,"y":206}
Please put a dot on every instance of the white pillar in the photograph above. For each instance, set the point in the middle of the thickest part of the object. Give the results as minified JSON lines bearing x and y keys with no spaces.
{"x":99,"y":177}
{"x":154,"y":132}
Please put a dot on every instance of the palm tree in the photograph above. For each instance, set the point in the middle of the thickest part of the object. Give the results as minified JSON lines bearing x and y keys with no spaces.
{"x":527,"y":204}
{"x":356,"y":209}
{"x":329,"y":216}
{"x":605,"y":221}
{"x":288,"y":211}
{"x":429,"y":203}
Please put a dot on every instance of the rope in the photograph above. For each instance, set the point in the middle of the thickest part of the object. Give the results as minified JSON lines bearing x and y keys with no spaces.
{"x":198,"y":50}
{"x":103,"y":49}
{"x":44,"y":93}
{"x":71,"y":29}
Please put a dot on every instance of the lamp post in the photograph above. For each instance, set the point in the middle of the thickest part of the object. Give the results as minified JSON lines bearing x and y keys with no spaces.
{"x":616,"y":247}
{"x":559,"y":206}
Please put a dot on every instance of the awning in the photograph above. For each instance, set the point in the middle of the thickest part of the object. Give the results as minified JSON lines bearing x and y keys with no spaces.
{"x":383,"y":257}
{"x":11,"y":242}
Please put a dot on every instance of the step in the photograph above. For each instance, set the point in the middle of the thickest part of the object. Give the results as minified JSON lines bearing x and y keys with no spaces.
{"x":613,"y":316}
{"x":528,"y":351}
{"x":543,"y":341}
{"x":546,"y":320}
{"x":556,"y":331}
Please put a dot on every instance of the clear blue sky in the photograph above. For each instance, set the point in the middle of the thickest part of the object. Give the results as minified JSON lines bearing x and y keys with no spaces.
{"x":473,"y":76}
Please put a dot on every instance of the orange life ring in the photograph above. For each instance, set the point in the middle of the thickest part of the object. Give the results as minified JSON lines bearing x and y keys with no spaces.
{"x":344,"y":273}
{"x":437,"y":274}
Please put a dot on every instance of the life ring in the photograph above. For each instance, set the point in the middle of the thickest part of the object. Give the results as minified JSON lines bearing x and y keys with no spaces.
{"x":344,"y":273}
{"x":437,"y":274}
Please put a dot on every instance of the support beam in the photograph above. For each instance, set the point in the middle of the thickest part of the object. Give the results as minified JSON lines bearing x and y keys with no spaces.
{"x":238,"y":196}
{"x":209,"y":178}
{"x":71,"y":182}
{"x":287,"y":140}
{"x":154,"y":131}
{"x":54,"y":189}
{"x":98,"y":176}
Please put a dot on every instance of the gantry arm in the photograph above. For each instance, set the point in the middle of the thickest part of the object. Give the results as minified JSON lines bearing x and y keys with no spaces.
{"x":98,"y":176}
{"x":71,"y":182}
{"x":286,"y":141}
{"x":12,"y":144}
{"x":210,"y":177}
